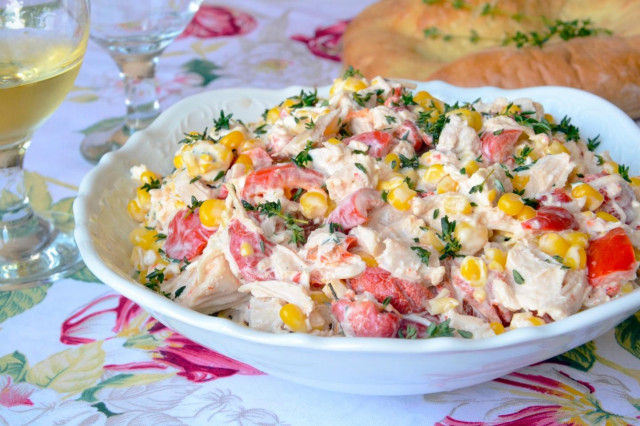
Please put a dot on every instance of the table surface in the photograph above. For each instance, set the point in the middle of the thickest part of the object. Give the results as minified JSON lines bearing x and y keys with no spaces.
{"x":76,"y":352}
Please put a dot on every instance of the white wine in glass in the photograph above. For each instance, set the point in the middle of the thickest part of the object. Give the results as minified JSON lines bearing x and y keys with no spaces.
{"x":135,"y":33}
{"x":42,"y":44}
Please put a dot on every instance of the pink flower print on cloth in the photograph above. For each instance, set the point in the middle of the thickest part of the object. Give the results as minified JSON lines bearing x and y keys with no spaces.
{"x":325,"y":42}
{"x":216,"y":21}
{"x":140,"y":331}
{"x":15,"y":394}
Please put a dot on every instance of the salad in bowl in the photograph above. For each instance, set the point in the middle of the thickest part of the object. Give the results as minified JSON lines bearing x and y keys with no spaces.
{"x":328,"y":221}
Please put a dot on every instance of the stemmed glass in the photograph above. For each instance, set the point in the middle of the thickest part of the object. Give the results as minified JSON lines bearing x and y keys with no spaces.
{"x":42,"y":44}
{"x":135,"y":33}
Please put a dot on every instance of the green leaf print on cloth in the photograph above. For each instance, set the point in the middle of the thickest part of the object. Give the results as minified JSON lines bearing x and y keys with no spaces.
{"x":628,"y":334}
{"x":581,"y":358}
{"x":13,"y":303}
{"x":70,"y":372}
{"x":203,"y":68}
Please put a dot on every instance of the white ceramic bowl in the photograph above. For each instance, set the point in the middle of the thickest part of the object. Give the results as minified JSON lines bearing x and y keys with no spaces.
{"x":355,"y":365}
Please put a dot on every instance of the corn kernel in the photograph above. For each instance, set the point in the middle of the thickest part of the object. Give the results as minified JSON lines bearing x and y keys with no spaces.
{"x":497,"y":256}
{"x":410,"y":174}
{"x":434,"y":173}
{"x":319,"y":297}
{"x":368,"y":259}
{"x":497,"y":327}
{"x":293,"y":317}
{"x":577,"y":238}
{"x":470,"y":167}
{"x":244,"y":160}
{"x":430,"y":238}
{"x":440,"y":305}
{"x":143,"y":197}
{"x":606,"y":216}
{"x":556,"y":147}
{"x":401,"y":196}
{"x":334,"y":141}
{"x":472,"y":238}
{"x":233,"y":139}
{"x":519,"y":182}
{"x":635,"y":182}
{"x":536,"y":321}
{"x":549,"y":118}
{"x":446,"y":184}
{"x":314,"y":204}
{"x":610,"y":167}
{"x":178,"y":162}
{"x":626,"y":288}
{"x":526,"y":213}
{"x":593,"y":197}
{"x":511,"y":109}
{"x":246,"y":249}
{"x":553,"y":244}
{"x":272,"y":115}
{"x":457,"y":204}
{"x":492,"y":194}
{"x":472,"y":118}
{"x":147,"y":176}
{"x":206,"y":158}
{"x":511,"y":204}
{"x":354,"y":84}
{"x":480,"y":294}
{"x":211,"y":212}
{"x":134,"y":210}
{"x":395,"y":180}
{"x":425,"y":100}
{"x":576,"y":257}
{"x":248,"y":145}
{"x":145,"y":238}
{"x":474,"y":271}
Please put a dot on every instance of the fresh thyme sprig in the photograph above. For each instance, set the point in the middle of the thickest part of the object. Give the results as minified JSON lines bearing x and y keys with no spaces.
{"x":452,"y":245}
{"x":274,"y":208}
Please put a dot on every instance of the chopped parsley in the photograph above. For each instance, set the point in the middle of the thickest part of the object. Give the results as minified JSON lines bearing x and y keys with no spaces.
{"x":219,"y":176}
{"x":303,"y":156}
{"x":152,"y":184}
{"x":407,"y":162}
{"x":480,"y":187}
{"x":571,"y":132}
{"x":193,"y":137}
{"x":592,"y":144}
{"x":624,"y":172}
{"x":440,"y":330}
{"x":274,"y":208}
{"x":361,"y":167}
{"x":452,"y":245}
{"x":179,"y":292}
{"x":305,"y":99}
{"x":222,"y":122}
{"x":517,"y":277}
{"x":351,"y":72}
{"x":524,"y":154}
{"x":422,"y":253}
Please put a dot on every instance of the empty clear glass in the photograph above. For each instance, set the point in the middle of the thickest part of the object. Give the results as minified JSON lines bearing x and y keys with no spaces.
{"x":135,"y":33}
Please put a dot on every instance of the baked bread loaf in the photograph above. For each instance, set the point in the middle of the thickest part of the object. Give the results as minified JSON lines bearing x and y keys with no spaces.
{"x":588,"y":44}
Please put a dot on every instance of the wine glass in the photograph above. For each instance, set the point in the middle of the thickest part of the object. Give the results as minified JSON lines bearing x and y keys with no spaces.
{"x":135,"y":33}
{"x":42,"y":44}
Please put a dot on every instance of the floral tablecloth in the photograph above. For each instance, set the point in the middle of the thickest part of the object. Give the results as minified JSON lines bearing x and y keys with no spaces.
{"x":76,"y":352}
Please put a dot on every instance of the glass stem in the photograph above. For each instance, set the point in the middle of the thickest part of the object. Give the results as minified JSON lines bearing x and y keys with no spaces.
{"x":20,"y":230}
{"x":138,"y":74}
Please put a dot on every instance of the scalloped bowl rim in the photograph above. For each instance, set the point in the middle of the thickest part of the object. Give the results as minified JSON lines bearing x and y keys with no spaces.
{"x":150,"y":300}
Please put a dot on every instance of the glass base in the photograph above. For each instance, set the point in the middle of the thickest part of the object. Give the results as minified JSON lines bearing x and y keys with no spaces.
{"x":55,"y":258}
{"x":95,"y":145}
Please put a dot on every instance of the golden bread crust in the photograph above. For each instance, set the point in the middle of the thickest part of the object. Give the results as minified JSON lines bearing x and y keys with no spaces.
{"x":388,"y":39}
